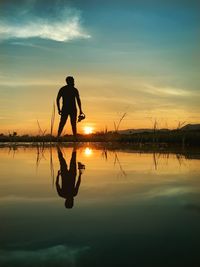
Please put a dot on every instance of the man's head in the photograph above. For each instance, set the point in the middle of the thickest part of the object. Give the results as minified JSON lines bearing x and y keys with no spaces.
{"x":70,"y":80}
{"x":69,"y":203}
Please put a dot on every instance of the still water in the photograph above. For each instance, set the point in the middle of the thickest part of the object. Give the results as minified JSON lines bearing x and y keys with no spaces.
{"x":93,"y":206}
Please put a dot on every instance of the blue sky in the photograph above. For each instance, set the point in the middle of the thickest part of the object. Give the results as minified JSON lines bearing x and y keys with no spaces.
{"x":139,"y":57}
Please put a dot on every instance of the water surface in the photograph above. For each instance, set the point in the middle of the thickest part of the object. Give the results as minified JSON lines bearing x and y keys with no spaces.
{"x":126,"y":208}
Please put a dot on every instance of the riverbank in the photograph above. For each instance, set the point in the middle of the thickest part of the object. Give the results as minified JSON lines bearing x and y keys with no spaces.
{"x":156,"y":138}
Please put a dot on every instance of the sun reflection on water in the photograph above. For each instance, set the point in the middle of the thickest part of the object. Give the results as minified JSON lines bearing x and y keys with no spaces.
{"x":88,"y":152}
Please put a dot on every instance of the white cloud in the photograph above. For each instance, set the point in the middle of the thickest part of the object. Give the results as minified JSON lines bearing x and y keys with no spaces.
{"x":66,"y":29}
{"x":166,"y":91}
{"x":63,"y":24}
{"x":23,"y":82}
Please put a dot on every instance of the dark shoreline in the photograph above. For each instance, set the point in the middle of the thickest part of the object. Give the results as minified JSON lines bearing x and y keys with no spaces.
{"x":156,"y":138}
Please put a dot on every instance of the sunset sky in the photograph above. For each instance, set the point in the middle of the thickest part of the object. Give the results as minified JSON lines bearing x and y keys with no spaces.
{"x":141,"y":57}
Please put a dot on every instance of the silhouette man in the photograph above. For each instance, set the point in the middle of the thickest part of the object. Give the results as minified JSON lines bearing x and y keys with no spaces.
{"x":70,"y":96}
{"x":69,"y":187}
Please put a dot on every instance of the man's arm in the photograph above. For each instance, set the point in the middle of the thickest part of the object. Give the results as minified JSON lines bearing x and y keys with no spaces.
{"x":79,"y":102}
{"x":57,"y":178}
{"x":58,"y":101}
{"x":77,"y":185}
{"x":58,"y":187}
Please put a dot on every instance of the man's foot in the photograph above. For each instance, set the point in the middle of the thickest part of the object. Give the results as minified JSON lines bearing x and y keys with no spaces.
{"x":75,"y":139}
{"x":58,"y":139}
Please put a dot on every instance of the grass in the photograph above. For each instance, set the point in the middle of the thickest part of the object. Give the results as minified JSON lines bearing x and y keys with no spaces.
{"x":117,"y":125}
{"x":52,"y":119}
{"x":155,"y":138}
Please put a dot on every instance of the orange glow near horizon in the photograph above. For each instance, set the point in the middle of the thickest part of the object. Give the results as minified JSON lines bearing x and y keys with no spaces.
{"x":23,"y":125}
{"x":88,"y":130}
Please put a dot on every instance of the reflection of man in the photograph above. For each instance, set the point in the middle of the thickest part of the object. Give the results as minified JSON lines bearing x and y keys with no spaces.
{"x":69,"y":187}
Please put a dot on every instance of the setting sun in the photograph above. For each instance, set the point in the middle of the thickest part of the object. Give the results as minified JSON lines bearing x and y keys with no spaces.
{"x":88,"y":130}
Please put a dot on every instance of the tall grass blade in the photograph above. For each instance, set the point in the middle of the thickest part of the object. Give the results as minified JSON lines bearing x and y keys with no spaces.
{"x":52,"y":118}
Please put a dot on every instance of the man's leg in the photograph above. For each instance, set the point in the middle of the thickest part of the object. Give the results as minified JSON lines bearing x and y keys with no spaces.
{"x":63,"y":164}
{"x":73,"y":118}
{"x":63,"y":120}
{"x":73,"y":168}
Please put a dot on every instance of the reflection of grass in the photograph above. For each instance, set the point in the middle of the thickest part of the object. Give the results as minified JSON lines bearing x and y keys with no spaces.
{"x":110,"y":149}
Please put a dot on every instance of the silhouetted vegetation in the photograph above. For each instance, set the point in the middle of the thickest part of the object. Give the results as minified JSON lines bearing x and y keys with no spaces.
{"x":154,"y":138}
